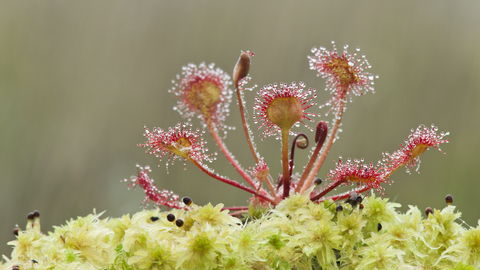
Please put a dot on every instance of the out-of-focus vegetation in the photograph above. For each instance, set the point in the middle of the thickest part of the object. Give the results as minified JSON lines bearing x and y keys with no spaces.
{"x":78,"y":80}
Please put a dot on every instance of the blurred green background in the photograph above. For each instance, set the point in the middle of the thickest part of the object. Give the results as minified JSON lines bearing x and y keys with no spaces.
{"x":79,"y":79}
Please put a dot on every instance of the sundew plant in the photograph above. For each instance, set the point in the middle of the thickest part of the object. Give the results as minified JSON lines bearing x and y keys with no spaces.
{"x":292,"y":220}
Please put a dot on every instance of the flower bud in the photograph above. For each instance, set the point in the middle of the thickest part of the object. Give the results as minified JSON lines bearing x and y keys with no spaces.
{"x":321,"y":132}
{"x":242,"y":67}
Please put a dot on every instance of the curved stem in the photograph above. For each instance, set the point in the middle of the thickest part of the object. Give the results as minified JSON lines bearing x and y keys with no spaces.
{"x":292,"y":152}
{"x":308,"y":168}
{"x":231,"y":182}
{"x":322,"y":129}
{"x":321,"y":159}
{"x":229,"y":156}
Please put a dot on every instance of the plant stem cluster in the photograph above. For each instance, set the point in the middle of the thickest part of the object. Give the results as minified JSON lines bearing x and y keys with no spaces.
{"x":279,"y":108}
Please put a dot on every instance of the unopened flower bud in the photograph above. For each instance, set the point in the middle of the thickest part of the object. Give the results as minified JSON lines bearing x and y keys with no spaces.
{"x":242,"y":67}
{"x":321,"y":132}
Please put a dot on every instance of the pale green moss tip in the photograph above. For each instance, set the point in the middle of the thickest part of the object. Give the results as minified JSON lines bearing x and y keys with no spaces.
{"x":297,"y":234}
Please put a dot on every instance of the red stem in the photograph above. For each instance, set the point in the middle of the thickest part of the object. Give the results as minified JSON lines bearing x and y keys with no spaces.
{"x":238,"y":212}
{"x":322,"y":157}
{"x":328,"y":189}
{"x":231,"y":182}
{"x":227,"y":154}
{"x":249,"y":139}
{"x":245,"y":126}
{"x":320,"y":136}
{"x":345,"y":195}
{"x":285,"y":163}
{"x":235,"y":208}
